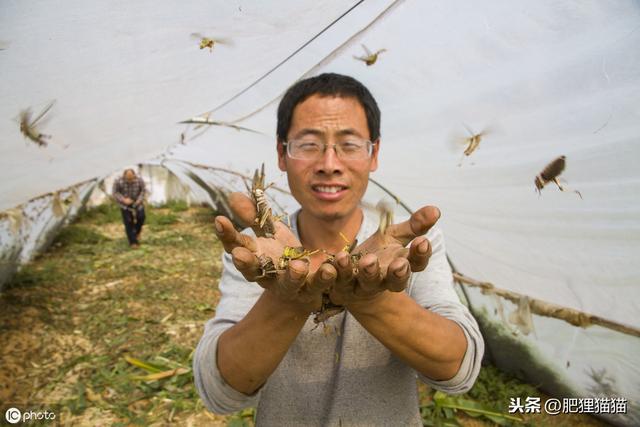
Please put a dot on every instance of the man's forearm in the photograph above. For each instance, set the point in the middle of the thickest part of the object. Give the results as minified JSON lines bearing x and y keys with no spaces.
{"x":251,"y":350}
{"x":431,"y":344}
{"x":140,"y":197}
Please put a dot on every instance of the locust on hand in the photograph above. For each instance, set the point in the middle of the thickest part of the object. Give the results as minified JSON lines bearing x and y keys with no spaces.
{"x":274,"y":258}
{"x":383,"y":262}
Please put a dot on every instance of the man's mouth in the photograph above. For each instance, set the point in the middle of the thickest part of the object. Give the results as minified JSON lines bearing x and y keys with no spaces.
{"x":328,"y":188}
{"x":329,"y":191}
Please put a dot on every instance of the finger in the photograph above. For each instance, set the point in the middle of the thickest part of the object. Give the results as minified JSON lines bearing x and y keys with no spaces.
{"x":419,"y":223}
{"x":285,"y":235}
{"x":295,"y":275}
{"x":230,"y":237}
{"x":247,"y":263}
{"x":419,"y":253}
{"x":369,"y":274}
{"x":343,"y":267}
{"x":243,"y":208}
{"x":398,"y":275}
{"x":323,"y":278}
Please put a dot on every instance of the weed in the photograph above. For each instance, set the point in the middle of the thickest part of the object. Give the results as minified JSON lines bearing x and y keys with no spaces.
{"x":106,"y":213}
{"x":78,"y":234}
{"x":159,"y":219}
{"x":494,"y":388}
{"x":176,"y":206}
{"x":36,"y":274}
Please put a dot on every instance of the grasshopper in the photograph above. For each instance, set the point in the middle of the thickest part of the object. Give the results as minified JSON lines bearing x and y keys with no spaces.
{"x":369,"y":57}
{"x":264,"y":226}
{"x":264,"y":216}
{"x":472,"y":142}
{"x":291,"y":253}
{"x":269,"y":269}
{"x":385,"y":210}
{"x":209,"y":42}
{"x":327,"y":310}
{"x":551,"y":172}
{"x":29,"y":129}
{"x":348,"y":247}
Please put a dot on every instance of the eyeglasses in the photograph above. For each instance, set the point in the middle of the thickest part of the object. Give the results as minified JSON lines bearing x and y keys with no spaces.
{"x":314,"y":149}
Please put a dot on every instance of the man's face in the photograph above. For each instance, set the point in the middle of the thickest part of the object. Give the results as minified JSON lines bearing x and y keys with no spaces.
{"x":129,"y":176}
{"x":314,"y":182}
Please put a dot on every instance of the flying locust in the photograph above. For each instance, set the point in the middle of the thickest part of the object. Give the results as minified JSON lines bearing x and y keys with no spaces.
{"x":550,"y":173}
{"x":29,"y":126}
{"x":369,"y":58}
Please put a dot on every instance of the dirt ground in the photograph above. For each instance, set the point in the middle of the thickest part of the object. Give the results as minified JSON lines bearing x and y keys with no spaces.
{"x":74,"y":321}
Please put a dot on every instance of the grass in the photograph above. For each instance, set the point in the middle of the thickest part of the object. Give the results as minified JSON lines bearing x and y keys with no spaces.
{"x":89,"y":301}
{"x":490,"y":394}
{"x":177,"y":206}
{"x":108,"y":213}
{"x":34,"y":275}
{"x":79,"y":235}
{"x":495,"y":388}
{"x":73,"y":320}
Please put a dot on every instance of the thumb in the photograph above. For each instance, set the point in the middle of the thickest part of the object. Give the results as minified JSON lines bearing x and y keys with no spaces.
{"x":419,"y":223}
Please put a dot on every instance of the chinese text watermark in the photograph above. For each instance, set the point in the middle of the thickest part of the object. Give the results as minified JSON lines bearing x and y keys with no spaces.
{"x":568,"y":405}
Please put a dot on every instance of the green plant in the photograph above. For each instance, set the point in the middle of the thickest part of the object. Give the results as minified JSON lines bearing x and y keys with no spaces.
{"x":78,"y":234}
{"x":154,"y":218}
{"x":244,"y":418}
{"x":494,"y":388}
{"x":103,"y":214}
{"x":176,"y":206}
{"x":32,"y":274}
{"x":441,"y":410}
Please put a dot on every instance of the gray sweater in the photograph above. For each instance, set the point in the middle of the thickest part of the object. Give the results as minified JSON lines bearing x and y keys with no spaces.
{"x":338,"y":375}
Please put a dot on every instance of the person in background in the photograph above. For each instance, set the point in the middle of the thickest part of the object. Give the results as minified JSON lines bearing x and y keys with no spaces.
{"x":129,"y":192}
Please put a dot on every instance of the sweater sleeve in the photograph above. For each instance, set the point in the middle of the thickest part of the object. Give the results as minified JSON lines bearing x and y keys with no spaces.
{"x":433,"y":289}
{"x":237,"y":298}
{"x":143,"y":190}
{"x":115,"y":191}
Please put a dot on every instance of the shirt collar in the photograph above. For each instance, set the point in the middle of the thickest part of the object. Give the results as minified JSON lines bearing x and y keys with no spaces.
{"x":367,"y":228}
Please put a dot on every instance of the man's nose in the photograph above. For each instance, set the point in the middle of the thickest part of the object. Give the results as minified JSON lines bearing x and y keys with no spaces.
{"x":329,"y":163}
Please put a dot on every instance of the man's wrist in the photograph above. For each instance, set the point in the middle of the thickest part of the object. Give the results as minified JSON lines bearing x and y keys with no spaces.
{"x":293,"y":308}
{"x":370,"y":306}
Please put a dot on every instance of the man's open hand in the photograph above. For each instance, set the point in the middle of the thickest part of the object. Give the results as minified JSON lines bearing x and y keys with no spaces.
{"x":296,"y":284}
{"x":386,"y":264}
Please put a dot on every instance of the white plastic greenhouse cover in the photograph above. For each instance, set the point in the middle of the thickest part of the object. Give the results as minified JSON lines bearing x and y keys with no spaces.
{"x":544,"y":78}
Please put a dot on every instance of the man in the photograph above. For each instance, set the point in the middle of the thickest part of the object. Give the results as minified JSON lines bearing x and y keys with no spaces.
{"x":402,"y":316}
{"x":129,"y":191}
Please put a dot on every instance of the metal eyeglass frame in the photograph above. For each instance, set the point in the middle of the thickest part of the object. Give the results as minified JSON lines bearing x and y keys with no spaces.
{"x":370,"y":145}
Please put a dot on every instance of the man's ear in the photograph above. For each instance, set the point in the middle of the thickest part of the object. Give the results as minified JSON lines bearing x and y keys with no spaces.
{"x":374,"y":155}
{"x":282,"y":156}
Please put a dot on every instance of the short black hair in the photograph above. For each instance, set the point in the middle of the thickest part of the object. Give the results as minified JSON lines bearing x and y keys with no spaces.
{"x":328,"y":84}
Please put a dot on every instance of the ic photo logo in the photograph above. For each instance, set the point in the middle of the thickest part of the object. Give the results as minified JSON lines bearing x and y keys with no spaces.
{"x":13,"y":415}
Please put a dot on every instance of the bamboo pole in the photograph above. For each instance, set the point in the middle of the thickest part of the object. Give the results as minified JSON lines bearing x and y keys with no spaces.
{"x":547,"y":309}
